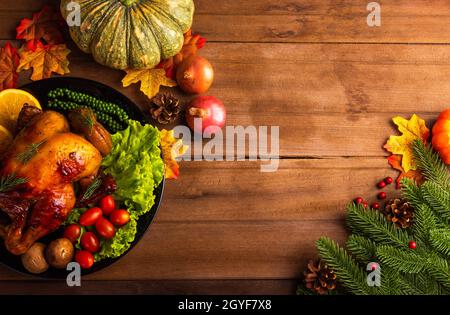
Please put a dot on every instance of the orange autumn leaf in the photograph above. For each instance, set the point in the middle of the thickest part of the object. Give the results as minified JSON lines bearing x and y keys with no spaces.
{"x":9,"y":61}
{"x":44,"y":60}
{"x":412,"y":129}
{"x":416,"y":175}
{"x":172,"y":148}
{"x":45,"y":24}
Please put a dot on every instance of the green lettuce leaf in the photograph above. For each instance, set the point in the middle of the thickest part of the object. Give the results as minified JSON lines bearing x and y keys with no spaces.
{"x":136,"y":164}
{"x":138,"y":168}
{"x":119,"y":244}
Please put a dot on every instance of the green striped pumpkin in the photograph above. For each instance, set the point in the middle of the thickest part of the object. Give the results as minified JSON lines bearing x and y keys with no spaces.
{"x":131,"y":34}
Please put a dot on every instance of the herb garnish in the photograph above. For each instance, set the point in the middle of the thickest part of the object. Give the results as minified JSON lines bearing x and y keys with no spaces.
{"x":91,"y":189}
{"x":32,"y":149}
{"x":10,"y":181}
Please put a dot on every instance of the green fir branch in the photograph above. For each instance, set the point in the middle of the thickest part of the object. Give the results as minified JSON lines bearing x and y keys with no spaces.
{"x":419,"y":284}
{"x":424,"y":221}
{"x":9,"y":182}
{"x":400,"y":259}
{"x":430,"y":163}
{"x":438,"y":198}
{"x":346,"y":269}
{"x":362,"y":248}
{"x":412,"y":192}
{"x":374,"y":225}
{"x":438,"y":267}
{"x":440,"y":240}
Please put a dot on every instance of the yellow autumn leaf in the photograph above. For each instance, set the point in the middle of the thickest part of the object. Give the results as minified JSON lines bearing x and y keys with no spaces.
{"x":172,"y":148}
{"x":411,"y":130}
{"x":151,"y":80}
{"x":44,"y":60}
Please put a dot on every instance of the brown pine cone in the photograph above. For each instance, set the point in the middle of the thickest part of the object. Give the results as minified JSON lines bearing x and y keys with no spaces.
{"x":165,"y":108}
{"x":400,"y":212}
{"x":319,"y":278}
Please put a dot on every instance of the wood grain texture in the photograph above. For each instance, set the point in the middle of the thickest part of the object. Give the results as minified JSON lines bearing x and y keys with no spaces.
{"x":219,"y":250}
{"x":332,"y":95}
{"x":301,"y":190}
{"x":330,"y":82}
{"x":403,"y":21}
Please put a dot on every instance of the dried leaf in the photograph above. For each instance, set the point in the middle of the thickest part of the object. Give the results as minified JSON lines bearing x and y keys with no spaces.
{"x":416,"y":175}
{"x":45,"y":24}
{"x":44,"y":59}
{"x":172,"y":148}
{"x":411,"y":130}
{"x":151,"y":80}
{"x":9,"y":61}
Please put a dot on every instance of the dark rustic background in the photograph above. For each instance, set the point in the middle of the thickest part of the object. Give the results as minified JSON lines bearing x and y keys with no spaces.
{"x":331,"y":83}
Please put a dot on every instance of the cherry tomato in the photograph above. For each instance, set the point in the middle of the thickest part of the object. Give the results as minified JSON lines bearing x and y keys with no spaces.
{"x":84,"y":258}
{"x":105,"y":228}
{"x":90,"y":217}
{"x":119,"y":217}
{"x":108,"y":205}
{"x":89,"y":241}
{"x":72,"y":232}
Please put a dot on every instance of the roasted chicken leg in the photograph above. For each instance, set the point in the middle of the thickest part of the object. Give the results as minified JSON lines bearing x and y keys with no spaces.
{"x":51,"y":159}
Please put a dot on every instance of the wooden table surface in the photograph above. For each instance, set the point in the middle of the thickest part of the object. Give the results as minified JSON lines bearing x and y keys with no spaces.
{"x":312,"y":67}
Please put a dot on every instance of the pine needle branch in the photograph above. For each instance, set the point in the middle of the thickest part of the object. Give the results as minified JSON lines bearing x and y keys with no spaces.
{"x":424,"y":221}
{"x":362,"y":248}
{"x":373,"y":225}
{"x":430,"y":163}
{"x":400,"y":259}
{"x":438,"y":198}
{"x":347,"y":271}
{"x":439,"y":269}
{"x":440,"y":240}
{"x":412,"y":192}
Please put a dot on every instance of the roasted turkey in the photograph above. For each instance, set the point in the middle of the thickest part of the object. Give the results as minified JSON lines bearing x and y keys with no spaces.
{"x":51,"y":159}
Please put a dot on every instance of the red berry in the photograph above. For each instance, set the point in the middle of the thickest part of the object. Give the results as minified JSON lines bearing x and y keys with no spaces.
{"x":358,"y":200}
{"x":412,"y":245}
{"x":381,"y":184}
{"x":365,"y":204}
{"x":388,"y":180}
{"x":381,"y":195}
{"x":375,"y":205}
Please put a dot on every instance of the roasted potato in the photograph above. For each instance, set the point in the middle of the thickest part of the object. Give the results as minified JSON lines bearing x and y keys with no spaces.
{"x":59,"y":253}
{"x":34,"y":259}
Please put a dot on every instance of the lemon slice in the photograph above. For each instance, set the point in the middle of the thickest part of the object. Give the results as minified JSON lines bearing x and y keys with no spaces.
{"x":11,"y":103}
{"x":6,"y":139}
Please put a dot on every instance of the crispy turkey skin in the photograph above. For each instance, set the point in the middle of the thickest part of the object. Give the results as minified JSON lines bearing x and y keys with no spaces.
{"x":51,"y":158}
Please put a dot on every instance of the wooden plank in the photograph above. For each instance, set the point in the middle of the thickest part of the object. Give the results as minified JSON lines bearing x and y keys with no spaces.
{"x":403,"y":21}
{"x":222,"y":250}
{"x":166,"y":287}
{"x":345,"y":79}
{"x":341,"y":97}
{"x":299,"y":190}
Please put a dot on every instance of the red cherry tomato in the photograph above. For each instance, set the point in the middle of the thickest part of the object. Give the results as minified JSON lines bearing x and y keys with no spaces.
{"x":119,"y":217}
{"x":105,"y":228}
{"x":89,"y":241}
{"x":108,"y":205}
{"x":90,"y":217}
{"x":84,"y":258}
{"x":72,"y":232}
